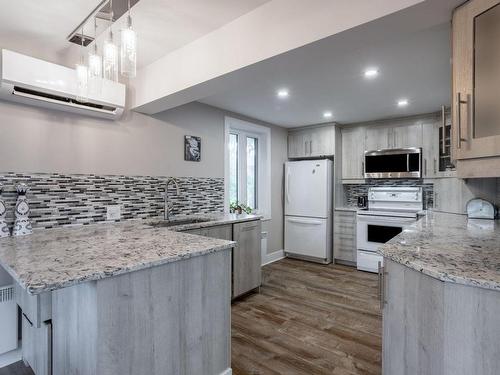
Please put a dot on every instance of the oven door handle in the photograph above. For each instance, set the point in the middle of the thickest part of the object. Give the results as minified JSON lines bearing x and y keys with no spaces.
{"x":381,"y":220}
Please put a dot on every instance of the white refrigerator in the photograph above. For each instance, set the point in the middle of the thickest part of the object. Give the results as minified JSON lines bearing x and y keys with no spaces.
{"x":309,"y":210}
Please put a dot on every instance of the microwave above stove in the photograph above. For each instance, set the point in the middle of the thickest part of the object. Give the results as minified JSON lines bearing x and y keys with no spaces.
{"x":394,"y":163}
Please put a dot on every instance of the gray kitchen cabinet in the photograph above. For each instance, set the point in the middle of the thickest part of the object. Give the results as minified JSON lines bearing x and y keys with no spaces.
{"x":378,"y":137}
{"x":322,"y":141}
{"x":37,"y":346}
{"x":311,"y":142}
{"x":404,"y":136}
{"x":475,"y":74}
{"x":297,"y":142}
{"x":193,"y":231}
{"x":436,"y":327}
{"x":246,"y":257}
{"x":412,"y":321}
{"x":353,"y":152}
{"x":36,"y":308}
{"x":400,"y":136}
{"x":222,"y":232}
{"x":430,"y":150}
{"x":344,"y":239}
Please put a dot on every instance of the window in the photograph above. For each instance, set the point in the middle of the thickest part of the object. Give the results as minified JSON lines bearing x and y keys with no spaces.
{"x":247,"y":176}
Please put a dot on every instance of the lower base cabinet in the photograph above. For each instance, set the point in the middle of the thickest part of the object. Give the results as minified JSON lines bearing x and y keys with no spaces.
{"x":431,"y":327}
{"x":246,"y":256}
{"x":37,"y":346}
{"x":344,"y":238}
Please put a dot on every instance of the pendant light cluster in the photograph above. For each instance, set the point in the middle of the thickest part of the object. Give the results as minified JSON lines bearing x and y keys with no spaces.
{"x":89,"y":78}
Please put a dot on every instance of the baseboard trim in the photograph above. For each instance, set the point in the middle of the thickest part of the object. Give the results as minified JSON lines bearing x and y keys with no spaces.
{"x":228,"y":371}
{"x":11,"y":357}
{"x":273,"y":257}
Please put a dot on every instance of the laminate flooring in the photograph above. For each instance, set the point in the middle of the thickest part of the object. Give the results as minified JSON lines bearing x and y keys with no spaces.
{"x":308,"y":319}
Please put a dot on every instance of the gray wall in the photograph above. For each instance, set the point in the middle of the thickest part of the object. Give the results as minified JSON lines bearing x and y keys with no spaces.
{"x":36,"y":140}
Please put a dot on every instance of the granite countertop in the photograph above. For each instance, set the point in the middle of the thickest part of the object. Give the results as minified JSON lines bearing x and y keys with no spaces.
{"x":56,"y":258}
{"x":450,"y":248}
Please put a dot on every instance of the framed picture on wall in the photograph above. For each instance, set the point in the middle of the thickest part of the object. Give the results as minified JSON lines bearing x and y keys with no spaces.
{"x":192,"y":148}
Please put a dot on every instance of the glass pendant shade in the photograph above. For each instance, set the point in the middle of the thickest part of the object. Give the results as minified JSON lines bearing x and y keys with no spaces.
{"x":82,"y":82}
{"x":128,"y":53}
{"x":110,"y":59}
{"x":95,"y":73}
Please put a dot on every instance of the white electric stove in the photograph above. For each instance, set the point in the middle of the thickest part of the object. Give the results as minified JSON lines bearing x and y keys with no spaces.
{"x":390,"y":210}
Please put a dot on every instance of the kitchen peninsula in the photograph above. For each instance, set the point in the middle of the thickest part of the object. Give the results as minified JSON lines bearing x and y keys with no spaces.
{"x":124,"y":298}
{"x":440,"y":294}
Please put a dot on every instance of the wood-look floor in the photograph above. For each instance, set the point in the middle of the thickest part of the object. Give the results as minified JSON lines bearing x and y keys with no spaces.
{"x":308,"y":319}
{"x":17,"y":368}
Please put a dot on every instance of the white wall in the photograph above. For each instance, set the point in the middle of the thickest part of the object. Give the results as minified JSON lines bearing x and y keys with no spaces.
{"x":38,"y":140}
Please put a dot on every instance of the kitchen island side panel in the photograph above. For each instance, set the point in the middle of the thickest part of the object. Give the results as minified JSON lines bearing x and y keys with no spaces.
{"x":172,"y":319}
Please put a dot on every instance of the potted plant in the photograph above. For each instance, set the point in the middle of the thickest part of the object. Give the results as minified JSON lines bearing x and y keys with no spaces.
{"x":239,"y":208}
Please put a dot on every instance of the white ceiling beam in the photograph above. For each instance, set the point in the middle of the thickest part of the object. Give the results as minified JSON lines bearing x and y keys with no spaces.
{"x":205,"y":65}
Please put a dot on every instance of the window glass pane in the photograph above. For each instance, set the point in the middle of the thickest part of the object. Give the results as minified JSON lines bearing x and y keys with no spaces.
{"x":233,"y":168}
{"x":251,"y":174}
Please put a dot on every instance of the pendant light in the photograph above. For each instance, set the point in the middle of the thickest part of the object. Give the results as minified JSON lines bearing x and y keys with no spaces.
{"x":110,"y":53}
{"x":95,"y":67}
{"x":128,"y":51}
{"x":82,"y":78}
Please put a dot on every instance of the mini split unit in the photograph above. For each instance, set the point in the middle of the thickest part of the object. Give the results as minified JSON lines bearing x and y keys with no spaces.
{"x":32,"y":81}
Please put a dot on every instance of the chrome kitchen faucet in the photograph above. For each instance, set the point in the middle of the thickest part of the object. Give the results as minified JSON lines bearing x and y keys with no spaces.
{"x":169,"y":206}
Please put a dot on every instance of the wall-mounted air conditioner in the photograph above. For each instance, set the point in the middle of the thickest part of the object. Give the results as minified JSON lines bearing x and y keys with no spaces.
{"x":32,"y":81}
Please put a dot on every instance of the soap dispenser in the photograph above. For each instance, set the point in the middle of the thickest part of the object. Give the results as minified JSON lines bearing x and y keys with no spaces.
{"x":22,"y":225}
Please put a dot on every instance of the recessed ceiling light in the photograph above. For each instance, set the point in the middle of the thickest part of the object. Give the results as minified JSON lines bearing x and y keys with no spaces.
{"x":402,"y":102}
{"x":282,"y":93}
{"x":327,"y":114}
{"x":371,"y":73}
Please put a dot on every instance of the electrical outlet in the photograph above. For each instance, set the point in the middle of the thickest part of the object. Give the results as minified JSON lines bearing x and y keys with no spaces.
{"x":113,"y":212}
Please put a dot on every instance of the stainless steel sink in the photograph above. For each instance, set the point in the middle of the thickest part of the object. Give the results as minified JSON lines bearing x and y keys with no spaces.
{"x":176,"y":222}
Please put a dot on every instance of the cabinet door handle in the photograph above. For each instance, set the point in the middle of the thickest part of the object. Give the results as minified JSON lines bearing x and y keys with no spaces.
{"x":310,"y":146}
{"x":305,"y":147}
{"x":459,"y":120}
{"x":362,"y":168}
{"x":435,"y":166}
{"x":443,"y":115}
{"x":425,"y":167}
{"x":381,"y":285}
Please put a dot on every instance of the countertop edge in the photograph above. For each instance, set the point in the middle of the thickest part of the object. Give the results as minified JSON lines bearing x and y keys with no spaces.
{"x":100,"y":276}
{"x":432,"y":271}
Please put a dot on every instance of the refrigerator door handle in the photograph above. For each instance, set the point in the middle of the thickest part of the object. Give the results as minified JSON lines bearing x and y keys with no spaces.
{"x":309,"y":222}
{"x":287,"y":192}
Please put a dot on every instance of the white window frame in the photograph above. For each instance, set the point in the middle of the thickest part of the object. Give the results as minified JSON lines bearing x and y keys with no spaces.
{"x":263,"y":135}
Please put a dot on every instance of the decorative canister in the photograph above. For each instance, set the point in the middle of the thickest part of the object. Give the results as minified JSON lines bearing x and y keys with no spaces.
{"x":22,"y":225}
{"x":4,"y":228}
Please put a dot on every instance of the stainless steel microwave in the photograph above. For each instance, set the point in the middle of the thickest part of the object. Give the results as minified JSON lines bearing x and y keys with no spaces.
{"x":394,"y":163}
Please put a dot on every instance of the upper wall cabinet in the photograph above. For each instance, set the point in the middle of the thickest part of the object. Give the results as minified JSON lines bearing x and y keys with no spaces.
{"x":400,"y":136}
{"x":476,"y":88}
{"x":311,"y":142}
{"x":353,"y":151}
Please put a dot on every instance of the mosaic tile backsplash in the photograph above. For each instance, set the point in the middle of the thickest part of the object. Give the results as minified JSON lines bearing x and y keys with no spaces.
{"x":62,"y":200}
{"x":352,"y":192}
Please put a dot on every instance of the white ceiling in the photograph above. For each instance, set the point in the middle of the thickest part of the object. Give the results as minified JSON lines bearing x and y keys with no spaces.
{"x":40,"y":28}
{"x":165,"y":25}
{"x":411,"y":49}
